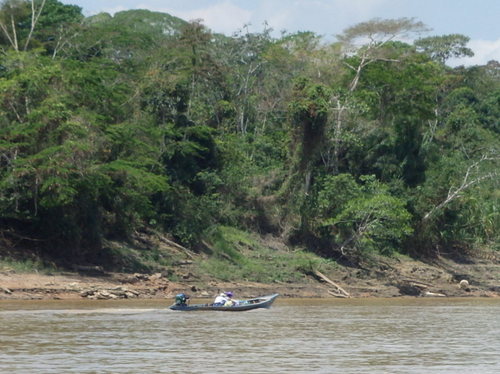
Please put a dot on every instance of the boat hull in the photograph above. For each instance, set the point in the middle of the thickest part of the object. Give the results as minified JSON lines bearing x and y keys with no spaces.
{"x":244,"y":305}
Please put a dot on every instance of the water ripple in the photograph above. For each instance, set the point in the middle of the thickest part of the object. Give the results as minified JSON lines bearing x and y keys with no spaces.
{"x":307,"y":336}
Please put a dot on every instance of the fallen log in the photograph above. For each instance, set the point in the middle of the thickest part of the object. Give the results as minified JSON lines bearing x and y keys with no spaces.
{"x":177,"y":246}
{"x":329,"y":281}
{"x":6,"y":290}
{"x":336,"y":294}
{"x":433,"y":294}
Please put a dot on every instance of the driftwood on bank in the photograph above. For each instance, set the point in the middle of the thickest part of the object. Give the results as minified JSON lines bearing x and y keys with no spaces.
{"x":336,"y":294}
{"x":433,"y":294}
{"x":339,"y":291}
{"x":176,"y":246}
{"x":413,"y":287}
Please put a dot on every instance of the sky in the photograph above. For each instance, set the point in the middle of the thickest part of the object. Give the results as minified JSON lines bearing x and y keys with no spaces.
{"x":477,"y":19}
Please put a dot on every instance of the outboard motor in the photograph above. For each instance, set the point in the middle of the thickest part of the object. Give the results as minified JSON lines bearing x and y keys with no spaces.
{"x":181,"y":299}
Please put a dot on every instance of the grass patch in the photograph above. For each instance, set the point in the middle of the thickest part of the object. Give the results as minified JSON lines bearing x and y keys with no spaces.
{"x":27,"y":266}
{"x":121,"y":257}
{"x":240,"y":255}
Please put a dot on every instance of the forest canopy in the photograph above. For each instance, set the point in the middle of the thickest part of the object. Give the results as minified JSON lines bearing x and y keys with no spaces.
{"x":112,"y":125}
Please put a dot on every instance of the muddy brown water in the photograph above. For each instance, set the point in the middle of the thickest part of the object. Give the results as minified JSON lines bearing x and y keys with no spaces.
{"x":294,"y":336}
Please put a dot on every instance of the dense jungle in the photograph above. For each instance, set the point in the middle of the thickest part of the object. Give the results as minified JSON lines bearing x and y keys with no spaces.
{"x":141,"y":142}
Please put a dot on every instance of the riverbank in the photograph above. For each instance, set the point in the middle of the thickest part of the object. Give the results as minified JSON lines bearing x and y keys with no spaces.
{"x":443,"y":277}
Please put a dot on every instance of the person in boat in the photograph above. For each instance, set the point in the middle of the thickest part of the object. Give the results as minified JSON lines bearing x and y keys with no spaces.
{"x":230,"y":301}
{"x":181,"y":299}
{"x":224,"y":299}
{"x":220,"y":300}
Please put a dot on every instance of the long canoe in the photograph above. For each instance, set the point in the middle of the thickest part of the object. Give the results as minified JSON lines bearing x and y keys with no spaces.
{"x":258,"y":302}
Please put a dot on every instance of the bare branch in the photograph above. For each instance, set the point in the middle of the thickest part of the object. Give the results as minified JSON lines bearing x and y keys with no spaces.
{"x":454,"y":194}
{"x":34,"y":20}
{"x":7,"y":35}
{"x":14,"y":34}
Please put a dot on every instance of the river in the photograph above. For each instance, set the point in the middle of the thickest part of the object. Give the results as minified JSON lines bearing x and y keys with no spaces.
{"x":295,"y":336}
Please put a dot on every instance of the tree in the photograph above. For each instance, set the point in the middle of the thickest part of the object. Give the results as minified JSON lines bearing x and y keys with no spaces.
{"x":14,"y":13}
{"x":113,"y":124}
{"x":243,"y":58}
{"x":373,"y":220}
{"x":442,"y":48}
{"x":41,"y":23}
{"x":472,"y":177}
{"x":309,"y":114}
{"x":375,"y":36}
{"x":67,"y":174}
{"x":399,"y":100}
{"x":456,"y":203}
{"x":58,"y":25}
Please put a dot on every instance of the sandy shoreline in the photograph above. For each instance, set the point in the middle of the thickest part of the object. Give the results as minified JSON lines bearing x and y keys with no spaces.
{"x":67,"y":286}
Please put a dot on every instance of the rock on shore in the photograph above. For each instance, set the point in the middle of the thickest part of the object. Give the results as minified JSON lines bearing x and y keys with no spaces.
{"x":399,"y":278}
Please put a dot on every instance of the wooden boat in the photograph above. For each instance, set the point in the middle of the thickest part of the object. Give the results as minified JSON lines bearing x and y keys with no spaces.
{"x":258,"y":302}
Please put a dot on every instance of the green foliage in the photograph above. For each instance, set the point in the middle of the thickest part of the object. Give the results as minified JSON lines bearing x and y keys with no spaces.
{"x":362,"y":216}
{"x":309,"y":114}
{"x":489,"y":111}
{"x":442,"y":48}
{"x":378,"y":222}
{"x":470,"y":218}
{"x":335,"y":192}
{"x":311,"y":104}
{"x":377,"y":28}
{"x":223,"y":239}
{"x":27,"y":266}
{"x":112,"y":124}
{"x":55,"y":25}
{"x":408,"y":149}
{"x":189,"y":151}
{"x":49,"y":31}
